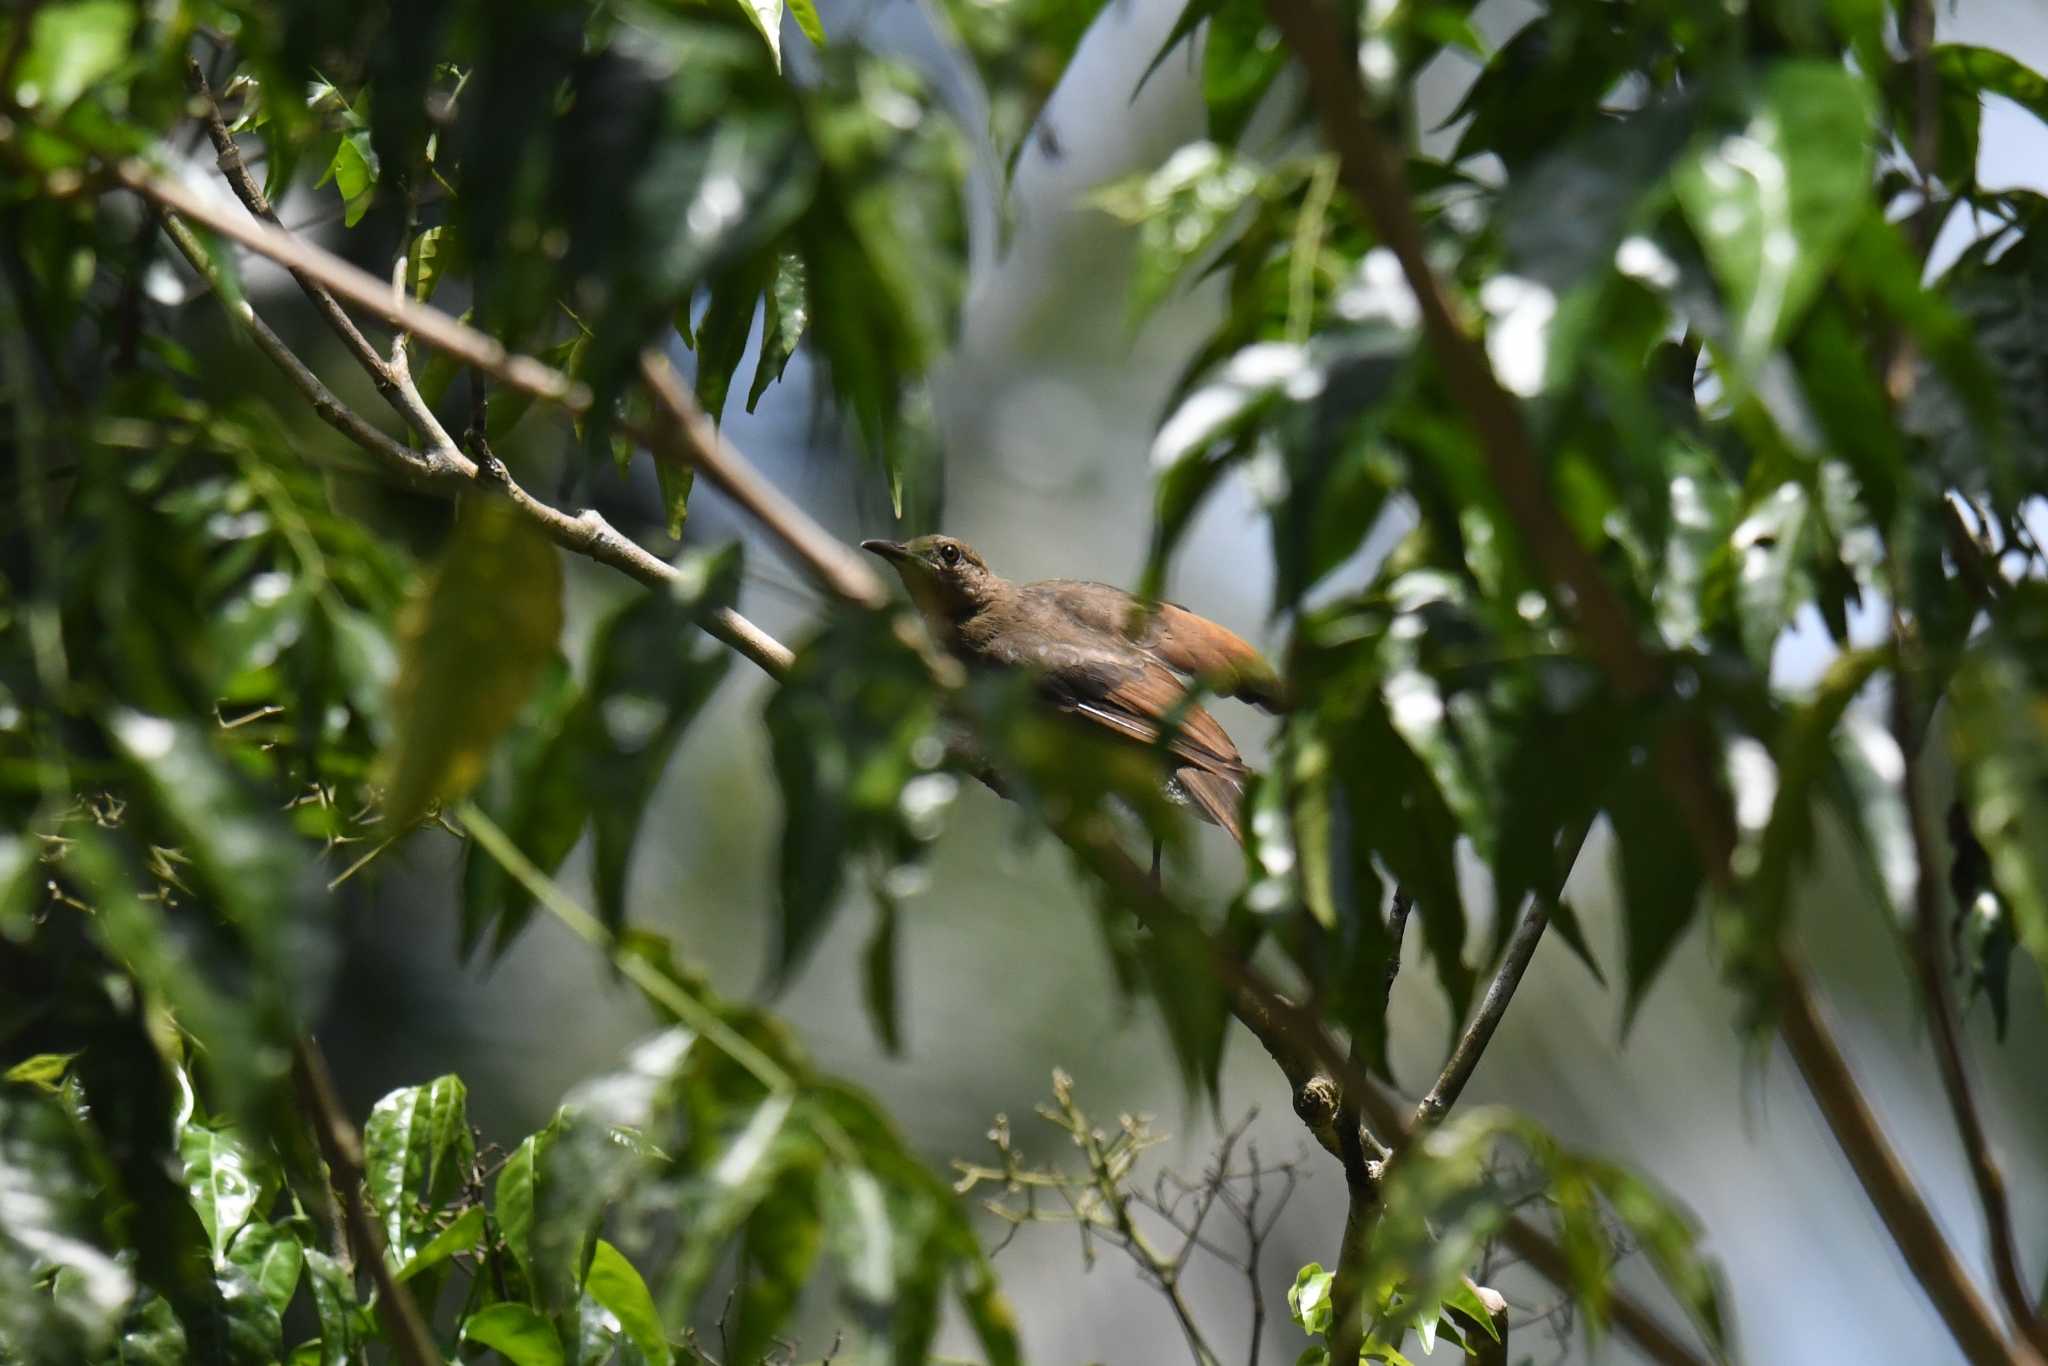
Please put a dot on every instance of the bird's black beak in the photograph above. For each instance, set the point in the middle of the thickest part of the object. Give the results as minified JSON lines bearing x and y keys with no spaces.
{"x":888,"y":550}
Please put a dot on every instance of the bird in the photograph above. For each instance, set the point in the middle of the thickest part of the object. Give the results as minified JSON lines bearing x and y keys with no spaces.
{"x":1101,"y":654}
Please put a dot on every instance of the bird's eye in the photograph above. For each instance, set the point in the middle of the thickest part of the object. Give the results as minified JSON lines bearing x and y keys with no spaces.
{"x":950,"y":554}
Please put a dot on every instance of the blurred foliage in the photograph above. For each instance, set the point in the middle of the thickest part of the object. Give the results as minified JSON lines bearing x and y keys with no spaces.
{"x":236,"y":667}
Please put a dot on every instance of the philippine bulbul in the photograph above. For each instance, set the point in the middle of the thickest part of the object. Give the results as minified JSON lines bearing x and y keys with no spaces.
{"x":1100,"y":654}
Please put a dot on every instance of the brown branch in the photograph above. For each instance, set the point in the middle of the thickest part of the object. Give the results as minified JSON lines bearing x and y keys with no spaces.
{"x":412,"y":468}
{"x":359,"y":287}
{"x":1472,"y":1043}
{"x":1927,"y":942}
{"x":342,"y":1148}
{"x":1372,"y":172}
{"x":394,"y":385}
{"x":1884,"y":1179}
{"x":586,"y":533}
{"x":691,"y":438}
{"x":1930,"y":965}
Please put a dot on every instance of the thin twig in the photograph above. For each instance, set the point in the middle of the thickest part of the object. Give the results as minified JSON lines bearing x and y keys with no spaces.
{"x":586,"y":533}
{"x":1930,"y":965}
{"x":396,"y":389}
{"x":342,"y":1147}
{"x":1477,"y":1034}
{"x":400,"y":459}
{"x":359,"y":287}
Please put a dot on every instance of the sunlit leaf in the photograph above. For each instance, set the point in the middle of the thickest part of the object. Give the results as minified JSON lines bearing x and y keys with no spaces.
{"x":1773,"y":202}
{"x":417,"y":1153}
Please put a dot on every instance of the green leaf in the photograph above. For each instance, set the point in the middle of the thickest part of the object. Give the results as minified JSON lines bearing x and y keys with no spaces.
{"x":783,"y":1240}
{"x":651,"y":673}
{"x":514,"y":1201}
{"x":854,"y":729}
{"x":1661,"y":875}
{"x":785,"y":313}
{"x":878,"y":976}
{"x":417,"y":1154}
{"x":152,"y":1336}
{"x":1992,"y":72}
{"x":45,"y":1071}
{"x":228,"y":1185}
{"x":1241,"y":55}
{"x":462,"y":1235}
{"x":272,"y":1256}
{"x":805,"y":12}
{"x":766,"y":16}
{"x":1181,"y":211}
{"x":614,"y":1283}
{"x":2000,"y":735}
{"x":345,"y":1327}
{"x":354,"y":173}
{"x":52,"y":1185}
{"x":1308,"y":1299}
{"x":728,"y":322}
{"x":1774,"y":202}
{"x":721,"y":1200}
{"x":71,"y":45}
{"x":472,"y":646}
{"x":519,"y":1334}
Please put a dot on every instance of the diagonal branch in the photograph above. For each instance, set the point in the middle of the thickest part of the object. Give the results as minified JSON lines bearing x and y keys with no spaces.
{"x":586,"y":533}
{"x":1472,"y":1043}
{"x":1371,"y":170}
{"x":391,"y":382}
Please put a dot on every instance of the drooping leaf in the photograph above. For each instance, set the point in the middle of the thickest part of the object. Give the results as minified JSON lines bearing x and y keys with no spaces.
{"x":472,"y":646}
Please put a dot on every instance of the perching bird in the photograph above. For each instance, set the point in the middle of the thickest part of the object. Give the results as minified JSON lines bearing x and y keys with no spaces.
{"x":1101,"y":654}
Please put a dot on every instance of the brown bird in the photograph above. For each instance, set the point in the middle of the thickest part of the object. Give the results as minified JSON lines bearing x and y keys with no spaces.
{"x":1100,"y":654}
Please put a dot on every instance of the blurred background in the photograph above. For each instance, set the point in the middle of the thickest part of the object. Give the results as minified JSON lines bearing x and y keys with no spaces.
{"x":1046,"y":412}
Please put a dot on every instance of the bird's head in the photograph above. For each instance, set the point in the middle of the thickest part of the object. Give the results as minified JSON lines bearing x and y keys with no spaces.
{"x":946,"y":578}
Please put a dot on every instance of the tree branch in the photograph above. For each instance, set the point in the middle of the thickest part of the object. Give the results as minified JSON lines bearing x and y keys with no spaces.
{"x":586,"y":533}
{"x":1884,"y":1179}
{"x":1472,"y":1043}
{"x":342,"y":1147}
{"x":1372,"y":172}
{"x":392,"y":382}
{"x":690,"y":437}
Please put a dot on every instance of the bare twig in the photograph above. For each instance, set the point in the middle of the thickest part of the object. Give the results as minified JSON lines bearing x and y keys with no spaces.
{"x":390,"y":379}
{"x":586,"y":533}
{"x":359,"y":287}
{"x":342,"y":1147}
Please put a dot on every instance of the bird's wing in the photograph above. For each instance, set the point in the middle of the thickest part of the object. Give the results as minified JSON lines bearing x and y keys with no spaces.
{"x":1142,"y":700}
{"x":1215,"y":654}
{"x":1190,"y":645}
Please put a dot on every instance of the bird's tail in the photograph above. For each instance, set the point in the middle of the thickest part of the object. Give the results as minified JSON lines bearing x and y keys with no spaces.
{"x":1216,"y":797}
